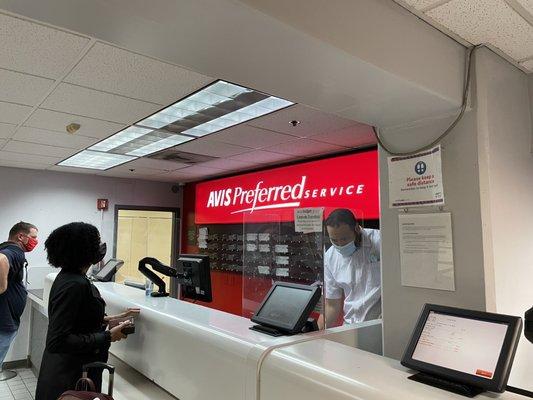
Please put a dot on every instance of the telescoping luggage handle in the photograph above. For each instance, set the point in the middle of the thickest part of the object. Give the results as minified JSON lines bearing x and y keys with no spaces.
{"x":101,"y":365}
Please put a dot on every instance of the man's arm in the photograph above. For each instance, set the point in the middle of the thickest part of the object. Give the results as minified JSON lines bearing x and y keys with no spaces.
{"x":333,"y":311}
{"x":4,"y":272}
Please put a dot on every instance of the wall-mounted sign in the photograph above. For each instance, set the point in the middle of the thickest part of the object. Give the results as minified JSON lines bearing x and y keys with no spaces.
{"x":272,"y":195}
{"x":416,"y":180}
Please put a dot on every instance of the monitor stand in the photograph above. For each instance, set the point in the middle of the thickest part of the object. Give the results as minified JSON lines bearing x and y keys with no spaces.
{"x":310,"y":326}
{"x":446,"y":384}
{"x":267,"y":330}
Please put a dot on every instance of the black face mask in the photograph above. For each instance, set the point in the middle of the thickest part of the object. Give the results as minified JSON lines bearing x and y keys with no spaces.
{"x":102,"y":249}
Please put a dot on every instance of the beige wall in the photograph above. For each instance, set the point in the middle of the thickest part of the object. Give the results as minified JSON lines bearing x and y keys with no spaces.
{"x":402,"y":305}
{"x":505,"y":135}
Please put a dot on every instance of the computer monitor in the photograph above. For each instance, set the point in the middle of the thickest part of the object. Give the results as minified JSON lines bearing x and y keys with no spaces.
{"x":196,"y":277}
{"x":472,"y":348}
{"x":287,"y":306}
{"x":109,"y":270}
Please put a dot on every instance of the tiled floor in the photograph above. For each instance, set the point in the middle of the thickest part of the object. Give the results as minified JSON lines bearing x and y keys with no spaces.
{"x":22,"y":387}
{"x":129,"y":385}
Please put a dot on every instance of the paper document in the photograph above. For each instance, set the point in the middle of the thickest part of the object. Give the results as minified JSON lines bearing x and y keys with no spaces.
{"x":426,"y":251}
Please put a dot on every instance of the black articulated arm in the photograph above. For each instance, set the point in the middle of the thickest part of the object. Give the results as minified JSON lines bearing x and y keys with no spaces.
{"x":159,"y":267}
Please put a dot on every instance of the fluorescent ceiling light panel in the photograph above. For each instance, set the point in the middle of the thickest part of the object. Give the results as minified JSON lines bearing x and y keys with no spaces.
{"x":95,"y":160}
{"x":211,"y":109}
{"x":214,"y":108}
{"x":244,"y":114}
{"x":214,"y":94}
{"x":162,"y":144}
{"x":120,"y":138}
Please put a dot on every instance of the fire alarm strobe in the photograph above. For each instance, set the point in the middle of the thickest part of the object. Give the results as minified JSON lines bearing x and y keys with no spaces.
{"x":102,"y":204}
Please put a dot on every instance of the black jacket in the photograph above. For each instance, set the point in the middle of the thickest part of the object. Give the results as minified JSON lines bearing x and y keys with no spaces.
{"x":75,"y":335}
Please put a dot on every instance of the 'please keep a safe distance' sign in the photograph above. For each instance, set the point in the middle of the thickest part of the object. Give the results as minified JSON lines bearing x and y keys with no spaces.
{"x":416,"y":180}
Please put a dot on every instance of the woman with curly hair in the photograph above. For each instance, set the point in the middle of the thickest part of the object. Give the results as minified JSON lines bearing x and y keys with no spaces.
{"x":77,"y":321}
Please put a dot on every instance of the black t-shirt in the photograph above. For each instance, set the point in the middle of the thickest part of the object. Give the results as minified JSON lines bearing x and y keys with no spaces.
{"x":13,"y":300}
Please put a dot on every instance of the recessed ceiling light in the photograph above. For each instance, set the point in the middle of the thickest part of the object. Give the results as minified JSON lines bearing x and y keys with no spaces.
{"x":95,"y":160}
{"x":162,"y":144}
{"x":120,"y":138}
{"x":211,"y":109}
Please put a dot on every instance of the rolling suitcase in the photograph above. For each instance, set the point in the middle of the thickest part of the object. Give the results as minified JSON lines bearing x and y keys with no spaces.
{"x":85,"y":388}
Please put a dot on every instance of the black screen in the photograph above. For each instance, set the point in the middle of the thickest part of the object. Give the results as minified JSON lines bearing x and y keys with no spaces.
{"x":285,"y":305}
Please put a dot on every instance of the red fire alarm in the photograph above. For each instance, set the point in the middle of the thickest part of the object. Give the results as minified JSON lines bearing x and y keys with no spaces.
{"x":102,"y":204}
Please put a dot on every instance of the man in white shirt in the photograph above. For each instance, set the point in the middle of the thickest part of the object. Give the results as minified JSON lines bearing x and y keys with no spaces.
{"x":352,"y":270}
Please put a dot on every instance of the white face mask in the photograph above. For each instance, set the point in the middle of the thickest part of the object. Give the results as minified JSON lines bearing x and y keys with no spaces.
{"x":347,"y":250}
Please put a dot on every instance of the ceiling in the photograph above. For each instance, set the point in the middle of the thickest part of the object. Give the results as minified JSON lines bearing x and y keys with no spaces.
{"x":51,"y":77}
{"x":504,"y":25}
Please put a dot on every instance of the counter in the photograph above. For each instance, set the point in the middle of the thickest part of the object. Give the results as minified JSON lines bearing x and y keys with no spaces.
{"x":197,"y":353}
{"x":323,"y":369}
{"x":191,"y":351}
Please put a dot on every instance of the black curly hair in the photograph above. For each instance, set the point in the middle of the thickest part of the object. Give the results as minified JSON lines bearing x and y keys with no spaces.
{"x":73,"y":247}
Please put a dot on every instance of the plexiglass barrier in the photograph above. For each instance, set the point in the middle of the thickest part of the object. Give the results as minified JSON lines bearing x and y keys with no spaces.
{"x":275,"y":251}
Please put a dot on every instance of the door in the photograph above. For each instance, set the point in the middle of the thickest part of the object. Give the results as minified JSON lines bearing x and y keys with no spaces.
{"x":144,"y":233}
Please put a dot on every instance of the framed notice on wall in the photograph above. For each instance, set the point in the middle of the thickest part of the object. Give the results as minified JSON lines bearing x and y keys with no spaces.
{"x":416,"y":180}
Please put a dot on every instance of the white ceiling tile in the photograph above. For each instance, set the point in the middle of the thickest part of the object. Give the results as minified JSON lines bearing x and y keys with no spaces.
{"x":153,"y":163}
{"x":422,"y":4}
{"x":168,"y":177}
{"x":23,"y":164}
{"x":211,"y":148}
{"x":528,"y":65}
{"x":92,"y":103}
{"x":21,"y":88}
{"x":52,"y":138}
{"x":527,"y":4}
{"x":251,"y":136}
{"x":36,"y":49}
{"x":114,"y":70}
{"x":62,"y":168}
{"x":263,"y":157}
{"x":32,"y":149}
{"x":27,"y":158}
{"x":227,"y":164}
{"x":190,"y":174}
{"x":305,"y":147}
{"x":312,"y":122}
{"x":6,"y":130}
{"x":13,"y":113}
{"x":57,"y":121}
{"x":487,"y":21}
{"x":199,"y":170}
{"x":126,"y":175}
{"x":353,"y":136}
{"x":130,"y":171}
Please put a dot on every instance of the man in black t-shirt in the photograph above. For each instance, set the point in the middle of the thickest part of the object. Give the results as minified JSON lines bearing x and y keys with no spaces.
{"x":22,"y":238}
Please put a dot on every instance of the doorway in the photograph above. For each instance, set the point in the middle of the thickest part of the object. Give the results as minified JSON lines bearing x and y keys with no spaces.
{"x":145,"y":232}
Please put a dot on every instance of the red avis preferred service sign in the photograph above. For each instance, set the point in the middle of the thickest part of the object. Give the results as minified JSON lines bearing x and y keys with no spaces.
{"x":272,"y":195}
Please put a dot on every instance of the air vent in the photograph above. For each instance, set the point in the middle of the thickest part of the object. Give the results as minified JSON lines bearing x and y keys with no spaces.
{"x":181,"y":157}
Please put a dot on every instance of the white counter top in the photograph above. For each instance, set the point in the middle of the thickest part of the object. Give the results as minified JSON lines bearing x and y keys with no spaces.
{"x":179,"y":313}
{"x":191,"y":351}
{"x":323,"y":369}
{"x":197,"y":353}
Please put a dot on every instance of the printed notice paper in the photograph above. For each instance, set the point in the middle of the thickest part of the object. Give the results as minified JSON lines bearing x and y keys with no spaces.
{"x":426,"y":251}
{"x":416,"y":181}
{"x":308,"y":220}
